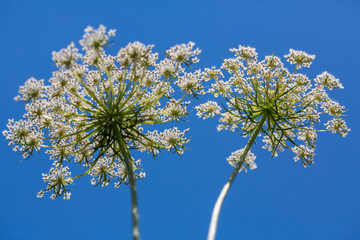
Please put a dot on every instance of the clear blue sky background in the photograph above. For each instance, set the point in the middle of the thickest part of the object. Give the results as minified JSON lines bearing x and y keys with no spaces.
{"x":279,"y":200}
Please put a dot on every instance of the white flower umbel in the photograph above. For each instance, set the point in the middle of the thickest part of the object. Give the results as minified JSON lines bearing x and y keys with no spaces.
{"x":264,"y":97}
{"x":96,"y":108}
{"x":249,"y":160}
{"x":208,"y":109}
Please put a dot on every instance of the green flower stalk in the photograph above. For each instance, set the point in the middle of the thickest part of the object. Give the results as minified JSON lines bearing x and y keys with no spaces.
{"x":96,"y":107}
{"x":265,"y":99}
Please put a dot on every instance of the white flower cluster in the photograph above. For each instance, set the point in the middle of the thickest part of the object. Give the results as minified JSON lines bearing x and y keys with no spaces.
{"x":56,"y":180}
{"x":96,"y":39}
{"x":288,"y":102}
{"x":220,"y":88}
{"x":184,"y":53}
{"x":229,"y":121}
{"x":337,"y":125}
{"x":191,"y":83}
{"x":170,"y":139}
{"x":249,"y":160}
{"x":301,"y":59}
{"x":212,"y":73}
{"x":136,"y":51}
{"x":175,"y":109}
{"x":327,"y":80}
{"x":31,"y":91}
{"x":208,"y":109}
{"x":304,"y":153}
{"x":24,"y":136}
{"x":247,"y":53}
{"x":96,"y":102}
{"x":107,"y":168}
{"x":66,"y":56}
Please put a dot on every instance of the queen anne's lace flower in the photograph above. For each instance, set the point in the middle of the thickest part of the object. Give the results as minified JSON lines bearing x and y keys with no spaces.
{"x":208,"y":109}
{"x":174,"y":139}
{"x":299,"y":58}
{"x":337,"y":125}
{"x":184,"y":53}
{"x":56,"y":180}
{"x":249,"y":160}
{"x":246,"y":53}
{"x":220,"y":88}
{"x":265,"y":97}
{"x":96,"y":108}
{"x":66,"y":56}
{"x":229,"y":121}
{"x":96,"y":39}
{"x":327,"y":80}
{"x":31,"y":91}
{"x":191,"y":83}
{"x":304,"y":153}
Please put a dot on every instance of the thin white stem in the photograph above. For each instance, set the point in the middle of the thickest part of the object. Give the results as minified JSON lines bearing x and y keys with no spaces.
{"x":216,"y":211}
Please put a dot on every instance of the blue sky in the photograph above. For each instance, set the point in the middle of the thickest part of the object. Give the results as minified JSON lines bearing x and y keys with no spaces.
{"x":279,"y":200}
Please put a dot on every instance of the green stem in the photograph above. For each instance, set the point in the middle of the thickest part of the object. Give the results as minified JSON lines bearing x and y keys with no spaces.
{"x":224,"y":191}
{"x":132,"y":179}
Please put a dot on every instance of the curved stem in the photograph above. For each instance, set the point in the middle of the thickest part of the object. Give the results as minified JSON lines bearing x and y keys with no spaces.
{"x":132,"y":179}
{"x":216,"y":211}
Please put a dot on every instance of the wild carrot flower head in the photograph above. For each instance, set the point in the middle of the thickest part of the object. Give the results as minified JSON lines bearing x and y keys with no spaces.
{"x":97,"y":101}
{"x":289,"y":102}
